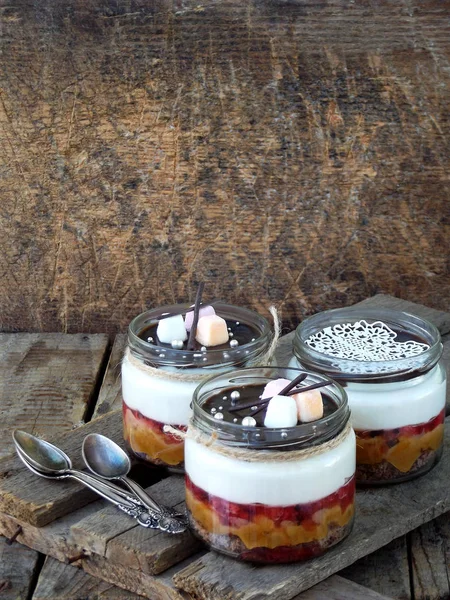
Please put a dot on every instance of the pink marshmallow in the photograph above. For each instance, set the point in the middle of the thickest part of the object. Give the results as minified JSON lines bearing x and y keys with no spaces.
{"x":309,"y":406}
{"x":273,"y":388}
{"x":204,"y":311}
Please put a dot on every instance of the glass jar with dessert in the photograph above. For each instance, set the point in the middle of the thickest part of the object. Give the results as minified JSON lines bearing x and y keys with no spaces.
{"x":389,"y":363}
{"x":270,"y":464}
{"x":164,"y":363}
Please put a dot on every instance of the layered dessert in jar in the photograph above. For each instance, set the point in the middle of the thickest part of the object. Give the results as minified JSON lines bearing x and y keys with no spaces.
{"x":389,"y":363}
{"x":270,"y":464}
{"x":164,"y":363}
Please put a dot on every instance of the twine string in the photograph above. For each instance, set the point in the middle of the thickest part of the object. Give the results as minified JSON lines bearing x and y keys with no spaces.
{"x":254,"y":455}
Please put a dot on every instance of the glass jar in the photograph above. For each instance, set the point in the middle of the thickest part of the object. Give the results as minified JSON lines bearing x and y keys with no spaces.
{"x":397,"y":401}
{"x":269,"y":495}
{"x":158,"y":382}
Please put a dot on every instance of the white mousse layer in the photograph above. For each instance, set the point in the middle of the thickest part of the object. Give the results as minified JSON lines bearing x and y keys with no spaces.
{"x":271,"y":483}
{"x":391,"y":405}
{"x":159,"y":399}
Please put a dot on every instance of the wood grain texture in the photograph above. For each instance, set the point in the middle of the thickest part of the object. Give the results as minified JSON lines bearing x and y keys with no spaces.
{"x":58,"y":581}
{"x":39,"y":501}
{"x":430,"y":557}
{"x":18,"y":568}
{"x":382,"y":515}
{"x":285,"y":152}
{"x":110,"y":395}
{"x":46,"y":382}
{"x":385,"y":571}
{"x":338,"y":588}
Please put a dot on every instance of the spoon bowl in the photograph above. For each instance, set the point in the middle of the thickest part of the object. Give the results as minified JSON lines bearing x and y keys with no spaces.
{"x":104,"y":457}
{"x":41,"y":454}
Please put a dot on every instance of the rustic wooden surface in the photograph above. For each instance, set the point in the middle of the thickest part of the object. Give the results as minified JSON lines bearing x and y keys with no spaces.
{"x":384,"y":571}
{"x":47,"y":381}
{"x":287,"y":152}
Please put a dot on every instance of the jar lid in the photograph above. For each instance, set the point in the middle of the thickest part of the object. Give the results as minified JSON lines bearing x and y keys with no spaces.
{"x":165,"y":356}
{"x":364,"y":342}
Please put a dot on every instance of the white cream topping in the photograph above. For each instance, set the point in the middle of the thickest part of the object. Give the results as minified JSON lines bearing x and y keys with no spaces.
{"x":397,"y":404}
{"x":159,"y":399}
{"x":271,"y":483}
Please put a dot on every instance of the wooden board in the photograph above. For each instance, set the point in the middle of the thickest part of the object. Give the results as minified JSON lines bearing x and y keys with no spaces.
{"x":58,"y":581}
{"x":430,"y":558}
{"x":382,"y":515}
{"x":385,"y":571}
{"x":19,"y":566}
{"x":338,"y":588}
{"x":46,"y":381}
{"x":293,"y":152}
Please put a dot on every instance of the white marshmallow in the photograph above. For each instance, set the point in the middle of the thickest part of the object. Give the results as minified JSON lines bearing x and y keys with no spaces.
{"x":171,"y":328}
{"x":203,"y":312}
{"x":212,"y":331}
{"x":281,"y":412}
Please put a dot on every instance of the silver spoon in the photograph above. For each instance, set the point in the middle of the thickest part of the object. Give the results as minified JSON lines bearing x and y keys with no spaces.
{"x":51,"y":462}
{"x":106,"y":459}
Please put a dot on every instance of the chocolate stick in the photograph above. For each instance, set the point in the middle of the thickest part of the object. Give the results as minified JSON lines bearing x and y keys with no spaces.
{"x":264,"y":401}
{"x":293,"y":383}
{"x":198,"y":298}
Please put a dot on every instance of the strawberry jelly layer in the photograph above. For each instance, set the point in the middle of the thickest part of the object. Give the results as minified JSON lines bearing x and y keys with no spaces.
{"x":147,"y":437}
{"x":400,"y":447}
{"x":266,"y":530}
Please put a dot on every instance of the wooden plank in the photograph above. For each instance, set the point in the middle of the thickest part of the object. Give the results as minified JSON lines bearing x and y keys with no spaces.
{"x":430,"y":557}
{"x":124,"y":542}
{"x":110,"y":396}
{"x":18,"y":568}
{"x":55,"y":540}
{"x":382,"y":515}
{"x":46,"y":381}
{"x":338,"y":588}
{"x":39,"y":501}
{"x":314,"y":168}
{"x":385,"y":571}
{"x":58,"y":581}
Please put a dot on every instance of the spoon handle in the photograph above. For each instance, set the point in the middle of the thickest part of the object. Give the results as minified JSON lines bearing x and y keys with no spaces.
{"x":102,"y":489}
{"x":144,"y":498}
{"x":108,"y":486}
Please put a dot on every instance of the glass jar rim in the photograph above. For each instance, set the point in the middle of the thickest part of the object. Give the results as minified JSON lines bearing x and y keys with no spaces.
{"x":296,"y":437}
{"x":350,"y":368}
{"x":161,"y":356}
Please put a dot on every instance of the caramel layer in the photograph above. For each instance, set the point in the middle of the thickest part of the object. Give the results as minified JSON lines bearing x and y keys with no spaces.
{"x":144,"y":436}
{"x":263,"y":532}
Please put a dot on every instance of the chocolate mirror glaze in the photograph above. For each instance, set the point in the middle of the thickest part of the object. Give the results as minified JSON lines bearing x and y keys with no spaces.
{"x":242,"y":333}
{"x":221,"y":402}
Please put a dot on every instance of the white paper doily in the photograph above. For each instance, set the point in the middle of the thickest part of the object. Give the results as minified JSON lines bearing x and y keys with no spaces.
{"x":364,"y":342}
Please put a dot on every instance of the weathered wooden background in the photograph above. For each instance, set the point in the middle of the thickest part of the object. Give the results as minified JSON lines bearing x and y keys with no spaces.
{"x":288,"y":152}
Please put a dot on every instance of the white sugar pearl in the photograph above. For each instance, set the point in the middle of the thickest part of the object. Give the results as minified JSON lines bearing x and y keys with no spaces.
{"x":203,"y":349}
{"x":234,"y":420}
{"x":218,"y":416}
{"x":237,"y":323}
{"x":226,"y":355}
{"x":235,"y":395}
{"x":177,"y":344}
{"x":248,"y":422}
{"x":150,"y":340}
{"x":234,"y":343}
{"x":284,"y":435}
{"x":224,"y":397}
{"x":213,"y":410}
{"x":230,"y":334}
{"x":254,"y":407}
{"x":220,"y":407}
